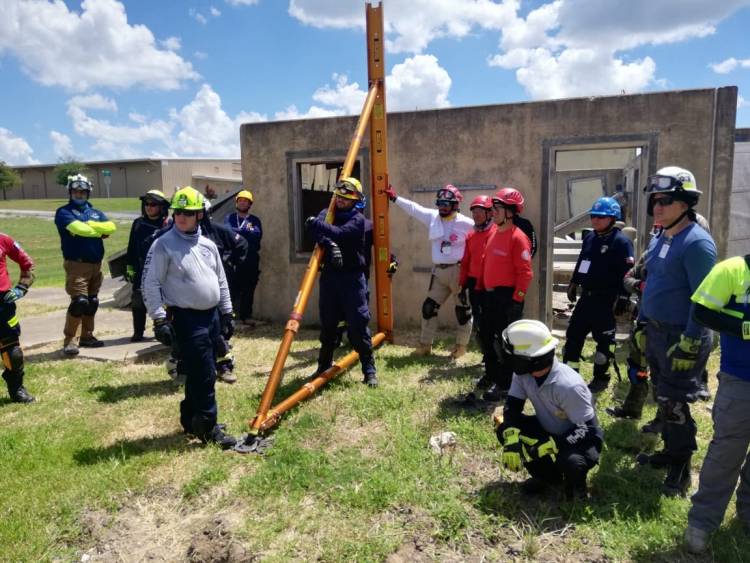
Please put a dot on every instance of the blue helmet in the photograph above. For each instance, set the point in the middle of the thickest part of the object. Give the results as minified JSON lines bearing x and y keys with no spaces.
{"x":605,"y":207}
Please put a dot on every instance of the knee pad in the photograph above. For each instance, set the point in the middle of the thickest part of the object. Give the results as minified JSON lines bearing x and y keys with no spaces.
{"x":92,"y":306}
{"x":13,"y":359}
{"x":430,"y":308}
{"x":463,"y":314}
{"x":79,"y":304}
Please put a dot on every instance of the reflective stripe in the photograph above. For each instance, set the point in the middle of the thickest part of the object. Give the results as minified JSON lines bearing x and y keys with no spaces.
{"x":710,"y":298}
{"x":13,"y":321}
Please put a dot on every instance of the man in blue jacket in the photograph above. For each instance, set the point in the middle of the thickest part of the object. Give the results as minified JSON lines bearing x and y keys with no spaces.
{"x":343,"y":287}
{"x":82,"y":229}
{"x":244,"y":280}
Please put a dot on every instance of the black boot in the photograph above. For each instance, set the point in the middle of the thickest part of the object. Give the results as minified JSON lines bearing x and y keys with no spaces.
{"x":655,"y":425}
{"x":217,"y":436}
{"x":495,"y":393}
{"x":370,"y":379}
{"x":703,"y":393}
{"x":16,"y":390}
{"x":632,"y":406}
{"x":678,"y":479}
{"x":657,"y":460}
{"x":601,"y":376}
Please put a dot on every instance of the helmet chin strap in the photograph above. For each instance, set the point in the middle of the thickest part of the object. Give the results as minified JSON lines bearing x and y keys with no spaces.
{"x":680,"y":218}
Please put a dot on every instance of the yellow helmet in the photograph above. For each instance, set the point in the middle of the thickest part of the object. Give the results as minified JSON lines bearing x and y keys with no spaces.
{"x":188,"y":199}
{"x":247,"y":194}
{"x":349,"y":188}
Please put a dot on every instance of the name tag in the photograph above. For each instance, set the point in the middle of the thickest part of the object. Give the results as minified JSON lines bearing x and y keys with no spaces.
{"x":583,"y":267}
{"x":663,"y":251}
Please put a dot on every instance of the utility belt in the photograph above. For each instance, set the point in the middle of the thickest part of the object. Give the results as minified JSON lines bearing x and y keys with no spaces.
{"x":500,"y":289}
{"x":444,"y":266}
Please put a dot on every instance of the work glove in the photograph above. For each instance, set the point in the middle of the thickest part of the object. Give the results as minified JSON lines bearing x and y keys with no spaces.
{"x":684,"y":353}
{"x":391,"y":193}
{"x":392,"y":266}
{"x":534,"y":449}
{"x":634,"y":285}
{"x":512,"y":449}
{"x":515,"y":310}
{"x":335,"y":258}
{"x":309,"y":222}
{"x":622,"y":306}
{"x":129,"y":274}
{"x":164,"y":332}
{"x":14,"y":294}
{"x":572,"y":292}
{"x":227,"y":325}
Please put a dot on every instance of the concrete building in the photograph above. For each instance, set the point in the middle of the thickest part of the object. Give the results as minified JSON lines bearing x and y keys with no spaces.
{"x":131,"y":178}
{"x":739,"y":220}
{"x":561,"y":154}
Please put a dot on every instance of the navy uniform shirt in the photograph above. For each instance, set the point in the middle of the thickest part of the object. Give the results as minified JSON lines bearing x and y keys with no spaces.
{"x":603,"y":262}
{"x":79,"y":249}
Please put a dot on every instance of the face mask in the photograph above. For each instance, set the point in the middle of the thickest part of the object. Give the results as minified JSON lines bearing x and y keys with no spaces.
{"x":79,"y":201}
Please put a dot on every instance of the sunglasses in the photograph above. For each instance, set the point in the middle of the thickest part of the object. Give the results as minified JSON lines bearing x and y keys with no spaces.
{"x":151,"y":203}
{"x":185,"y":212}
{"x":664,"y":201}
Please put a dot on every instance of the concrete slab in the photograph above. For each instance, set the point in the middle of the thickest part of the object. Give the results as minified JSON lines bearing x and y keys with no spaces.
{"x":121,"y":349}
{"x":37,"y":331}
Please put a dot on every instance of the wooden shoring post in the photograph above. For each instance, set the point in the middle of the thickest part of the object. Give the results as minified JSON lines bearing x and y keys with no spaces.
{"x":379,"y":164}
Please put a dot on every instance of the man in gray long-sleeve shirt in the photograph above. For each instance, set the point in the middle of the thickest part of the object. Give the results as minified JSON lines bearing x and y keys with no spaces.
{"x":185,"y":289}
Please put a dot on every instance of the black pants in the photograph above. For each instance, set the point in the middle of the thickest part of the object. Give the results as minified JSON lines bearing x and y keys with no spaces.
{"x":593,"y":313}
{"x":197,"y":332}
{"x":138,"y":308}
{"x":242,"y":288}
{"x":10,"y":331}
{"x":475,"y":300}
{"x":572,"y":463}
{"x":496,"y":317}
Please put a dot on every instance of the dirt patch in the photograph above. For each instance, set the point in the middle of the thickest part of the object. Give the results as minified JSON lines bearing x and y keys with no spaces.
{"x":215,"y":544}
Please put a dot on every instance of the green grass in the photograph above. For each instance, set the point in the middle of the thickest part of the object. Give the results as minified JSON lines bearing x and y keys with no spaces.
{"x":121,"y":204}
{"x":99,"y":463}
{"x":40,"y":239}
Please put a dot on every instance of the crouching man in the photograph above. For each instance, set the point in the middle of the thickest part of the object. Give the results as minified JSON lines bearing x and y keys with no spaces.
{"x":560,"y":443}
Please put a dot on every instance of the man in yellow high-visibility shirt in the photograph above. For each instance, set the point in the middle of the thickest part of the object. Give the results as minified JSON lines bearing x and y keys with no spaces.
{"x":81,"y":228}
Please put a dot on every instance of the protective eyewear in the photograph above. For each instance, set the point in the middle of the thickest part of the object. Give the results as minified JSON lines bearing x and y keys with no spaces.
{"x":662,"y":184}
{"x":497,"y":204}
{"x":79,"y":185}
{"x":446,"y":195}
{"x":664,"y":201}
{"x":445,"y":202}
{"x":151,"y":203}
{"x":345,"y":190}
{"x":185,"y":212}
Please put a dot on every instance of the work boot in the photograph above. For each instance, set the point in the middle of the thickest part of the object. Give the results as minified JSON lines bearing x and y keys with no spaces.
{"x":533,"y":486}
{"x":598,"y":384}
{"x":70,"y":349}
{"x":483,"y":382}
{"x":90,"y":342}
{"x":16,"y":390}
{"x":655,"y":425}
{"x":696,"y":540}
{"x":370,"y":379}
{"x":678,"y":479}
{"x":217,"y":436}
{"x":703,"y":393}
{"x":495,"y":393}
{"x":227,"y":376}
{"x":137,"y":337}
{"x":422,"y":350}
{"x":576,"y":491}
{"x":632,"y":406}
{"x":657,"y":460}
{"x":458,"y":351}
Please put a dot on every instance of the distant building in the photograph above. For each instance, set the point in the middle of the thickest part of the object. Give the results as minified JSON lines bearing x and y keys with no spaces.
{"x":131,"y":178}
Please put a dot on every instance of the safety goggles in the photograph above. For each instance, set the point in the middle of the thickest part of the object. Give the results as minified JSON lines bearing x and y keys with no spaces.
{"x":185,"y":212}
{"x":345,"y":190}
{"x":446,"y":195}
{"x":662,"y":184}
{"x":80,"y":185}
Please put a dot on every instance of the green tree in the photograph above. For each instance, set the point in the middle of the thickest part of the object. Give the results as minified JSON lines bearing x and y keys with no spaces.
{"x":9,"y":178}
{"x":67,"y":168}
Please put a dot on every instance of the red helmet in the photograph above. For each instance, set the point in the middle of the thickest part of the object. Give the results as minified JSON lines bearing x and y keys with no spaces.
{"x":510,"y":197}
{"x":483,"y":201}
{"x":449,"y":193}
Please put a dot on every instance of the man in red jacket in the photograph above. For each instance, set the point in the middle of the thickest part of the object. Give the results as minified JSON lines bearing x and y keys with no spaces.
{"x":505,"y":277}
{"x":10,"y":329}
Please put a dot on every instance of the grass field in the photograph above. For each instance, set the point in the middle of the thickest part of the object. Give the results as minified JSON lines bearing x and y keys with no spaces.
{"x":40,"y":239}
{"x":123,"y":204}
{"x":98,"y":466}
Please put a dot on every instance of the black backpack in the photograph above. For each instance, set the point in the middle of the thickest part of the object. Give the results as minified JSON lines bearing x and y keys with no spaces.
{"x":528,"y":229}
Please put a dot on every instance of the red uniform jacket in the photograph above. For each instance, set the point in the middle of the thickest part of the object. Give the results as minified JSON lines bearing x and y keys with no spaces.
{"x":11,"y":249}
{"x":471,"y":263}
{"x":507,"y":262}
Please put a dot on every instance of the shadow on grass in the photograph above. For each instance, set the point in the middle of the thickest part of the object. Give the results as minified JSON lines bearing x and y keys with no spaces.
{"x":125,"y":449}
{"x":460,"y":405}
{"x":115,"y":394}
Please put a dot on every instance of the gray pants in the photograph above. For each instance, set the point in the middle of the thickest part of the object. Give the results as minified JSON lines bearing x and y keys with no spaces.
{"x":726,"y":459}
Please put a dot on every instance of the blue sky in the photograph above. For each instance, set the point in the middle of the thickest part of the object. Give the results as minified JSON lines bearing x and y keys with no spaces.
{"x":103,"y":79}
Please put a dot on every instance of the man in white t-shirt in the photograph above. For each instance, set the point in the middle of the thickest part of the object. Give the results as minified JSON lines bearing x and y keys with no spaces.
{"x":447,"y":230}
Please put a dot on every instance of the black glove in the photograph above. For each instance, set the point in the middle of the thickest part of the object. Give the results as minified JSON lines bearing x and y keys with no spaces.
{"x":164,"y":332}
{"x":335,"y":258}
{"x":515,"y":311}
{"x":622,"y":305}
{"x":572,"y":292}
{"x":227,"y":325}
{"x":309,"y":222}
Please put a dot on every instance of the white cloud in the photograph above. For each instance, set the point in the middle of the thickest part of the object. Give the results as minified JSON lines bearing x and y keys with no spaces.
{"x":410,"y":25}
{"x":93,"y":101}
{"x":172,"y":43}
{"x":197,"y":16}
{"x":292,"y":112}
{"x":96,"y":47}
{"x":62,"y":146}
{"x":730,"y":64}
{"x":242,"y":2}
{"x":15,"y":150}
{"x":215,"y":12}
{"x":200,"y":55}
{"x":742,"y":102}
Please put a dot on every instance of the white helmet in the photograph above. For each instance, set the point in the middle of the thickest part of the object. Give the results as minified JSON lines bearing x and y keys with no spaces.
{"x":529,"y":345}
{"x":79,"y":182}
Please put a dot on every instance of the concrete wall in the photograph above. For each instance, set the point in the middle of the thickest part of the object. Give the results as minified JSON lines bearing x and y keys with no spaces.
{"x":739,"y":221}
{"x":489,"y":145}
